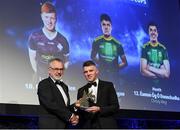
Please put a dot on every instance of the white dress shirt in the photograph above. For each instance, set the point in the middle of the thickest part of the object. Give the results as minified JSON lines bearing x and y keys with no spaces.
{"x":94,"y":90}
{"x":62,"y":92}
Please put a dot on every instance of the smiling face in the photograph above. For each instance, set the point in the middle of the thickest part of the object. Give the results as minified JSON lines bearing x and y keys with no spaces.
{"x":49,"y":20}
{"x":153,"y":33}
{"x":90,"y":73}
{"x":56,"y":70}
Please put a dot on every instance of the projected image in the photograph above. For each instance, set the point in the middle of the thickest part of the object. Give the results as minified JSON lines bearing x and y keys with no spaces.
{"x":142,"y":61}
{"x":155,"y":66}
{"x":106,"y":51}
{"x":47,"y":43}
{"x":154,"y":58}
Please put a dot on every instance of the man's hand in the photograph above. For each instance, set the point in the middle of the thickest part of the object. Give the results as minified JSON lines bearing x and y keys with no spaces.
{"x":77,"y":103}
{"x":74,"y":120}
{"x":93,"y":109}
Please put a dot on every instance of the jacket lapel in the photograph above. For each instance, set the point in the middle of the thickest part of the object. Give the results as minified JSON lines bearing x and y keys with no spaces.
{"x":99,"y":91}
{"x":57,"y":90}
{"x":65,"y":88}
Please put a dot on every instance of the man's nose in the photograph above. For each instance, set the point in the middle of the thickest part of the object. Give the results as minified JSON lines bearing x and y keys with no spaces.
{"x":59,"y":71}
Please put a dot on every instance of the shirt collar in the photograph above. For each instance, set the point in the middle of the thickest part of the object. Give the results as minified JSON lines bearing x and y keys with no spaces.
{"x":96,"y":80}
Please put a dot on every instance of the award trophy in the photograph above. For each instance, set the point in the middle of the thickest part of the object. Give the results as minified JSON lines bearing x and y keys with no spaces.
{"x":86,"y":100}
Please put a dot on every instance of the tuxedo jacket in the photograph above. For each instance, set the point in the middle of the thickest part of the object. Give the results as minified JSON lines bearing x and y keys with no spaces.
{"x":53,"y":111}
{"x":107,"y":101}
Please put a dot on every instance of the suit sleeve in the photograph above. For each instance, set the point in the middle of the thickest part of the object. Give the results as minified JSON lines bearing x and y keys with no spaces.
{"x":111,"y":105}
{"x":80,"y":94}
{"x":51,"y":104}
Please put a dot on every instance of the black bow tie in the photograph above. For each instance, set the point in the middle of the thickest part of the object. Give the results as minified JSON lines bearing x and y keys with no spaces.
{"x":59,"y":82}
{"x":92,"y":83}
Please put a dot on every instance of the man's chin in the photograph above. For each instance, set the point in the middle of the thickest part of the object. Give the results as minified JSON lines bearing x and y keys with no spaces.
{"x":51,"y":29}
{"x":58,"y":78}
{"x":106,"y":34}
{"x":90,"y":80}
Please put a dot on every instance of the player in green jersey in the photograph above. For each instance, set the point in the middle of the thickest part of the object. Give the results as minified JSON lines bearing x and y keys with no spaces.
{"x":106,"y":52}
{"x":154,"y":57}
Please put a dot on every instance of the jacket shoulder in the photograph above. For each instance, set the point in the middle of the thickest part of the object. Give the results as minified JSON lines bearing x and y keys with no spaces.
{"x":107,"y":83}
{"x":82,"y":88}
{"x":44,"y":82}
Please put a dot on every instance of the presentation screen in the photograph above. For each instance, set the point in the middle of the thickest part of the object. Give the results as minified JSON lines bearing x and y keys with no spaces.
{"x":142,"y":61}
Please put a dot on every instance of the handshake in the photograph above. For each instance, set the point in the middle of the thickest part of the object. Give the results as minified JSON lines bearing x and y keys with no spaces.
{"x":84,"y":104}
{"x":74,"y":120}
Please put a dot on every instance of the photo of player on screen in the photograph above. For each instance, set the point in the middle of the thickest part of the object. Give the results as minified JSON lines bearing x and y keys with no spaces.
{"x":154,"y":57}
{"x":106,"y":51}
{"x":47,"y":43}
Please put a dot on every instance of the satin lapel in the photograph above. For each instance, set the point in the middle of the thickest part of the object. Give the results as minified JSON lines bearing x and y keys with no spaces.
{"x":67,"y":94}
{"x":52,"y":83}
{"x":54,"y":87}
{"x":65,"y":88}
{"x":86,"y":89}
{"x":99,"y":91}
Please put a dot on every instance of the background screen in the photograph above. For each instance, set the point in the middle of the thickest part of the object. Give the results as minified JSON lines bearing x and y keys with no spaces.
{"x":79,"y":22}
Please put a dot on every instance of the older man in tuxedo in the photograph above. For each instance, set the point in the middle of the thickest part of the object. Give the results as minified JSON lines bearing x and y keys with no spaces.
{"x":54,"y":99}
{"x":104,"y":105}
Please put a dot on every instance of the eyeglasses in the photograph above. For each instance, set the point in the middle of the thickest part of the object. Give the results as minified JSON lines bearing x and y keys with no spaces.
{"x":57,"y":69}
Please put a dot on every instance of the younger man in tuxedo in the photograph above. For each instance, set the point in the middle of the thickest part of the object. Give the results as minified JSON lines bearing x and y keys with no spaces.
{"x":100,"y":114}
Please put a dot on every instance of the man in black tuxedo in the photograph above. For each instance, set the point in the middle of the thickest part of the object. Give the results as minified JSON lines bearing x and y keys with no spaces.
{"x":54,"y":99}
{"x":105,"y":104}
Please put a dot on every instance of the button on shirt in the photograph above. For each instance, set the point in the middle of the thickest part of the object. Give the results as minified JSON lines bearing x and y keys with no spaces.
{"x":94,"y":90}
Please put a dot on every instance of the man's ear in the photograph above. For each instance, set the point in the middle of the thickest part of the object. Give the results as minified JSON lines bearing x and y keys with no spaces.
{"x":97,"y":71}
{"x":49,"y":70}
